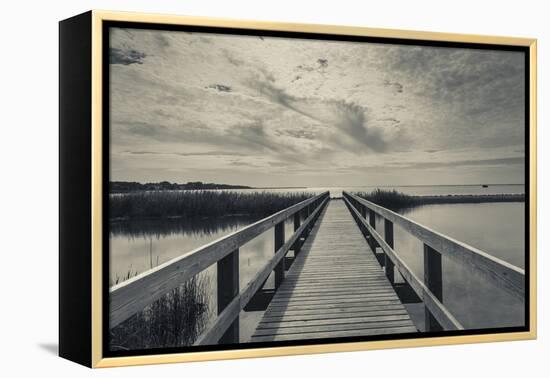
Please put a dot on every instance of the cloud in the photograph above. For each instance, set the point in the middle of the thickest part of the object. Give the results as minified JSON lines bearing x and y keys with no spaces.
{"x":299,"y":133}
{"x":205,"y":153}
{"x":348,"y":117}
{"x":323,"y":63}
{"x":475,"y":82}
{"x":162,"y":40}
{"x":254,"y":136}
{"x":461,"y":163}
{"x":397,"y":87}
{"x":220,"y":87}
{"x":393,"y":121}
{"x":125,"y":57}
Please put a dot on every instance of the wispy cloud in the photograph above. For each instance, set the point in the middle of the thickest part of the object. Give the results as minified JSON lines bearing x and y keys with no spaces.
{"x":204,"y":153}
{"x":348,"y":118}
{"x":125,"y":57}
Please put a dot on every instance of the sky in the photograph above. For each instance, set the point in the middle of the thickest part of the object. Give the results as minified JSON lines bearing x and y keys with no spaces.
{"x":266,"y":111}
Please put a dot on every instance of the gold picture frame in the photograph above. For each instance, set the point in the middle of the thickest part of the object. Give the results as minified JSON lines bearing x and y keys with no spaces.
{"x":93,"y":26}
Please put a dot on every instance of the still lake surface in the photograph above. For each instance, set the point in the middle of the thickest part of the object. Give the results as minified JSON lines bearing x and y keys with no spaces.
{"x":496,"y":228}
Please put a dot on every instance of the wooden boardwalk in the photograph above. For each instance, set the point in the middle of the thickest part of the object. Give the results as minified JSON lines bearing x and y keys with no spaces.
{"x":335,"y":288}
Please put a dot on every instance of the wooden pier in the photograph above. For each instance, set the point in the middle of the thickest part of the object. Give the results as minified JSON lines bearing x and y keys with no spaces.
{"x":335,"y":288}
{"x":340,"y":281}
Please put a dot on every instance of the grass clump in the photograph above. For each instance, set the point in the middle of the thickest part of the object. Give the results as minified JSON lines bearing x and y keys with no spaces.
{"x":175,"y":320}
{"x":391,"y":199}
{"x":396,"y":201}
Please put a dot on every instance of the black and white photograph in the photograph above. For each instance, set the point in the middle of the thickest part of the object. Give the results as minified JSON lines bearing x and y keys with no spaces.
{"x":271,"y":189}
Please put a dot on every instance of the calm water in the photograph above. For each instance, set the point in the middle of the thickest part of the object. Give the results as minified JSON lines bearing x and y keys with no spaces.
{"x":497,"y":228}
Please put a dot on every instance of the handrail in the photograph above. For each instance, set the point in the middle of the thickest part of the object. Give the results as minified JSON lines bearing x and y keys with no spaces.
{"x":434,"y":305}
{"x":502,"y":273}
{"x":228,"y":315}
{"x":133,"y":295}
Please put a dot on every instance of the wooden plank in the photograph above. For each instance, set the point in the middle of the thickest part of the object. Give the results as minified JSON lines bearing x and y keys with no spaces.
{"x":335,"y":287}
{"x":367,"y":307}
{"x":327,"y":306}
{"x":304,"y":323}
{"x":500,"y":272}
{"x":337,"y":334}
{"x":323,"y":293}
{"x":133,"y":295}
{"x":332,"y":291}
{"x":299,"y":288}
{"x":337,"y":276}
{"x":326,"y":316}
{"x":333,"y":284}
{"x":342,"y":265}
{"x":325,"y":297}
{"x":302,"y":301}
{"x":361,"y":307}
{"x":402,"y":321}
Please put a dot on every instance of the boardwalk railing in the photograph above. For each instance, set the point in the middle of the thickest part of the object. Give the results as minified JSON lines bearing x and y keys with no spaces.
{"x":430,"y":290}
{"x":133,"y":295}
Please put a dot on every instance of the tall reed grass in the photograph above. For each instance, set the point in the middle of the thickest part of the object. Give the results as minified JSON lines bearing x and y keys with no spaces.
{"x":396,"y":201}
{"x":158,"y":204}
{"x":175,"y":320}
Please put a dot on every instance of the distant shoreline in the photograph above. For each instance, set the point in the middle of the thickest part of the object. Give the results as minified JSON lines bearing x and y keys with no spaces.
{"x":394,"y":200}
{"x":132,"y":186}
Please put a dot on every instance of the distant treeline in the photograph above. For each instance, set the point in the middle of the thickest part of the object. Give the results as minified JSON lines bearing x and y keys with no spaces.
{"x":395,"y":200}
{"x":200,"y":203}
{"x":127,"y":187}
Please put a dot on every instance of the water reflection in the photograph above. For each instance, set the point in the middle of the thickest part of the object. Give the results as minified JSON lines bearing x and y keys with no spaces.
{"x":139,"y":245}
{"x":496,"y":228}
{"x":197,"y":227}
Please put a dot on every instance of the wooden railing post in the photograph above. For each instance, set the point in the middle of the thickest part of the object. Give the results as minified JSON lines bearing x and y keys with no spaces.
{"x":362,"y":208}
{"x":372,"y":223}
{"x":297,"y":223}
{"x":228,"y":288}
{"x":279,"y":241}
{"x":388,"y":237}
{"x":372,"y":219}
{"x":433,"y":280}
{"x":308,"y":213}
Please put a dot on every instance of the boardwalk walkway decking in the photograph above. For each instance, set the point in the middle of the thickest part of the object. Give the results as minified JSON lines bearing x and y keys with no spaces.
{"x":335,"y":288}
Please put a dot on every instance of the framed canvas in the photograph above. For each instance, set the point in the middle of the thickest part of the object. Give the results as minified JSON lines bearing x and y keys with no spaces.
{"x":235,"y":189}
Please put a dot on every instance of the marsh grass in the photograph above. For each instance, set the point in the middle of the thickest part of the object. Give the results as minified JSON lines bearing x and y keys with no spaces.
{"x":175,"y":320}
{"x":200,"y":203}
{"x":397,"y":201}
{"x":163,"y":227}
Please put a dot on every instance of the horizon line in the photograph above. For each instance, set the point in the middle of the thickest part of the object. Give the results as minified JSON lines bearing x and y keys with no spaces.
{"x":323,"y":186}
